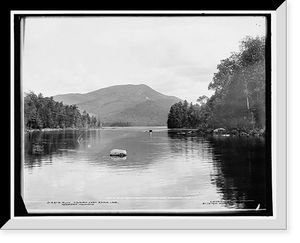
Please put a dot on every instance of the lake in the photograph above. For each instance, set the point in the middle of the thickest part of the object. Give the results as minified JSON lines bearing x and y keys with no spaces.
{"x":163,"y":171}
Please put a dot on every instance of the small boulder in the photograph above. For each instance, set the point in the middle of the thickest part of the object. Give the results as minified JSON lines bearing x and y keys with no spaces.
{"x":118,"y":152}
{"x":219,"y":130}
{"x":37,"y":148}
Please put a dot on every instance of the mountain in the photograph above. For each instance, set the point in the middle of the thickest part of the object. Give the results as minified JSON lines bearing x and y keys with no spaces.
{"x":138,"y":105}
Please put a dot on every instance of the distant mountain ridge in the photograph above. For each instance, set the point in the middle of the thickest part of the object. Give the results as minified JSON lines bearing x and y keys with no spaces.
{"x":137,"y":105}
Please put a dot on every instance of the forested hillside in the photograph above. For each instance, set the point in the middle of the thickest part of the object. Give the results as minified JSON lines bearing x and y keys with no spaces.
{"x":238,"y":101}
{"x":43,"y":112}
{"x":130,"y":105}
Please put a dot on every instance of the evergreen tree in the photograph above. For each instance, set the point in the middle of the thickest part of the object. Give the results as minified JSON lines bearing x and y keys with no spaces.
{"x":43,"y":112}
{"x":239,"y":93}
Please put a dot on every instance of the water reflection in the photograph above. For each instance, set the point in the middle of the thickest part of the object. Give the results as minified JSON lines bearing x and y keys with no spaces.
{"x":77,"y":165}
{"x":239,"y":170}
{"x":238,"y":166}
{"x":58,"y":143}
{"x":190,"y":145}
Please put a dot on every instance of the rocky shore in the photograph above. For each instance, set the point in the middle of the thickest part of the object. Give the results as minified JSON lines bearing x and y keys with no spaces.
{"x":221,"y":132}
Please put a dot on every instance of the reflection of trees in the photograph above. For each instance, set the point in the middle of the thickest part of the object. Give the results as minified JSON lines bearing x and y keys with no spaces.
{"x":239,"y":163}
{"x":239,"y":166}
{"x":189,"y":144}
{"x":53,"y":142}
{"x":239,"y":172}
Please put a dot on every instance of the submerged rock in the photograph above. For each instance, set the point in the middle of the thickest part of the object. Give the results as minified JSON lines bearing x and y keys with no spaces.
{"x":118,"y":152}
{"x":37,"y":148}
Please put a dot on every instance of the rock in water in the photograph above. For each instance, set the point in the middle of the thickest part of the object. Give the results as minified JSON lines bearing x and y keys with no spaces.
{"x":118,"y":152}
{"x":37,"y":149}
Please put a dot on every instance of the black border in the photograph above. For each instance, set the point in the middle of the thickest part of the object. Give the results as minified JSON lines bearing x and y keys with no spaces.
{"x":268,"y":100}
{"x":19,"y":206}
{"x":287,"y":118}
{"x":231,"y":5}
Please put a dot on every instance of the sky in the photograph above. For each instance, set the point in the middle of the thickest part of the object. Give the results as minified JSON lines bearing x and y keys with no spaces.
{"x":176,"y":56}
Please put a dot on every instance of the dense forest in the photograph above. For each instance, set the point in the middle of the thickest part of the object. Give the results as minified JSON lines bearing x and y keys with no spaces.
{"x":238,"y":101}
{"x":44,"y":112}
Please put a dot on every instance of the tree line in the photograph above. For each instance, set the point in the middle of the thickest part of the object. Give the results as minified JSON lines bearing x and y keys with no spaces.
{"x":44,"y":112}
{"x":238,"y":101}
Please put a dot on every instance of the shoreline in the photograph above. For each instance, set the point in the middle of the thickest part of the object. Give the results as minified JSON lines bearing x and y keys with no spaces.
{"x":52,"y":129}
{"x":91,"y":128}
{"x":179,"y":131}
{"x":256,"y":132}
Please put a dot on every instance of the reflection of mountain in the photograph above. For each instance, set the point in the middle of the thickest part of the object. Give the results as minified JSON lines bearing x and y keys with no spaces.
{"x":159,"y":164}
{"x":240,"y":173}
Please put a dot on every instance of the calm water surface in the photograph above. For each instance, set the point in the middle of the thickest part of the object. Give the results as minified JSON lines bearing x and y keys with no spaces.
{"x":163,"y":170}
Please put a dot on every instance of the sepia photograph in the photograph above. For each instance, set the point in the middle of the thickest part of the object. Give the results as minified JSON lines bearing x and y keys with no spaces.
{"x":149,"y":114}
